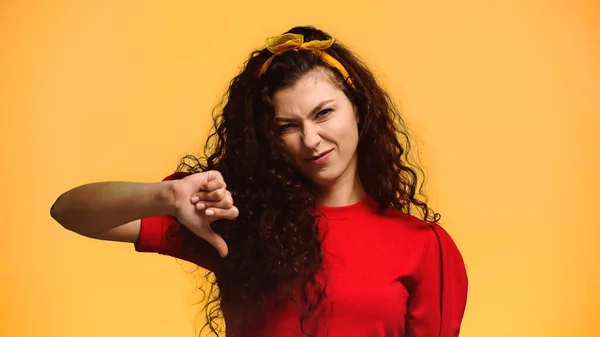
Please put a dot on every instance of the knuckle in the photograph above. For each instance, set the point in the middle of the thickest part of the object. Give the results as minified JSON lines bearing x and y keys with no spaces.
{"x":218,"y":174}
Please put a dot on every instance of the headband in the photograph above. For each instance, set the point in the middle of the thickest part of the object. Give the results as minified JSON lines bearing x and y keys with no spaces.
{"x":289,"y":41}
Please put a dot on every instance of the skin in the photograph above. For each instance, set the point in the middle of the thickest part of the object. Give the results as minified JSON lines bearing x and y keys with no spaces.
{"x":315,"y":118}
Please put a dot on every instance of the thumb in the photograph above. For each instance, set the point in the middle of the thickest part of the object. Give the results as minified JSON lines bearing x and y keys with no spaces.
{"x":216,"y":241}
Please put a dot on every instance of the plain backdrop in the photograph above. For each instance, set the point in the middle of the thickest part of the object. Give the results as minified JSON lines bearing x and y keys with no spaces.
{"x":501,"y":95}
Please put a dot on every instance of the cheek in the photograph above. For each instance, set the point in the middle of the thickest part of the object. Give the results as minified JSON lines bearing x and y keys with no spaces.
{"x":347,"y":135}
{"x":290,"y":147}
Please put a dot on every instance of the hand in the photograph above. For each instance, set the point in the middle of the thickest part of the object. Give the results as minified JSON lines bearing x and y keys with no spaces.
{"x":200,"y":199}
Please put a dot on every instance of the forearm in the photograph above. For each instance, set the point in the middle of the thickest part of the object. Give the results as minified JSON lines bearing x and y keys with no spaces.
{"x":98,"y":207}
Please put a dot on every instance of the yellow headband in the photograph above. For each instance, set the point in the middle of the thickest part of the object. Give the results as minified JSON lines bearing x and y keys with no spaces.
{"x":289,"y":41}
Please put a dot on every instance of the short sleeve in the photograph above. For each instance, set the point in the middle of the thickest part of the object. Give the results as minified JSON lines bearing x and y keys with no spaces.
{"x":437,"y":303}
{"x":161,"y":234}
{"x":153,"y":232}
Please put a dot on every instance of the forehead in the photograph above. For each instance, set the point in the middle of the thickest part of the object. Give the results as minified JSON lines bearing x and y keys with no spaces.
{"x":312,"y":89}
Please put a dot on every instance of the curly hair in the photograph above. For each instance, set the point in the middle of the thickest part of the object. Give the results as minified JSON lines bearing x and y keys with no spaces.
{"x":274,"y":244}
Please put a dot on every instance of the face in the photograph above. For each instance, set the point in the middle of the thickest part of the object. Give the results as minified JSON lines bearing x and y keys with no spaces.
{"x":318,"y":128}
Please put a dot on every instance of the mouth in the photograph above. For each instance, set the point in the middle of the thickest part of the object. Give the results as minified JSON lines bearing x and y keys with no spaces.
{"x":316,"y":158}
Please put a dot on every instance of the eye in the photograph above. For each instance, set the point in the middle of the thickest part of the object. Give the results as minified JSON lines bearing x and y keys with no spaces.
{"x":324,"y":113}
{"x":285,"y":127}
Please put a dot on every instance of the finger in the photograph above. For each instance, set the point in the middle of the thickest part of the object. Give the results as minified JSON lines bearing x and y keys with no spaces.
{"x":216,"y":195}
{"x":220,"y":213}
{"x":216,"y":241}
{"x":214,"y":175}
{"x":205,"y":205}
{"x":225,"y":203}
{"x":213,"y":184}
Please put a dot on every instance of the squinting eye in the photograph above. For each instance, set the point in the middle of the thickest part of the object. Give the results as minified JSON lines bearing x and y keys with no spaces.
{"x":285,"y":127}
{"x":324,"y":113}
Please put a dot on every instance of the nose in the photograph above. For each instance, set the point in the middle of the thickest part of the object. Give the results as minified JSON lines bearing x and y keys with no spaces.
{"x":310,"y":137}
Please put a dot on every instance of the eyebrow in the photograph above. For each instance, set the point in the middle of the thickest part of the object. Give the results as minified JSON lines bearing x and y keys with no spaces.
{"x":314,"y":111}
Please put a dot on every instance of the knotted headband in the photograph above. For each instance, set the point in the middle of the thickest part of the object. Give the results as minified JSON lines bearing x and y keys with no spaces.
{"x":289,"y":41}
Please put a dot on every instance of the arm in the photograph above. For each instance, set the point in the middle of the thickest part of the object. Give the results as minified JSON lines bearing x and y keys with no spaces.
{"x":111,"y":210}
{"x":437,"y":304}
{"x":115,"y":210}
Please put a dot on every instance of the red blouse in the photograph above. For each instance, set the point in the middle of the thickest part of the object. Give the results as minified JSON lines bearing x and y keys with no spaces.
{"x":388,"y":275}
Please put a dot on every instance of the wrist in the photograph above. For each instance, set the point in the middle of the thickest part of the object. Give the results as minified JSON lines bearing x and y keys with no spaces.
{"x":165,"y":197}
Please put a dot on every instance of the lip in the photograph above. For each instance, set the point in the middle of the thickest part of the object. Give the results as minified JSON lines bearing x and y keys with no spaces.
{"x":321,"y":158}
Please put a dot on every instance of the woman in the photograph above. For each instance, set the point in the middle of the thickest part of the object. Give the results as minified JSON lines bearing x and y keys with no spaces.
{"x":322,"y":239}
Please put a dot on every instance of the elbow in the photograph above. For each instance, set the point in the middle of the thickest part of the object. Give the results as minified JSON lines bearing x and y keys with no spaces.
{"x":57,"y":213}
{"x":54,"y":210}
{"x":67,"y":216}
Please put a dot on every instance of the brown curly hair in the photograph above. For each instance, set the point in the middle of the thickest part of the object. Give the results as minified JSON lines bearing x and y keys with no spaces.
{"x":274,"y":244}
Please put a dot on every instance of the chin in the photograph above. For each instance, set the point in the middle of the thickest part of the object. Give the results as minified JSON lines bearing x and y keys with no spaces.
{"x":324,"y":179}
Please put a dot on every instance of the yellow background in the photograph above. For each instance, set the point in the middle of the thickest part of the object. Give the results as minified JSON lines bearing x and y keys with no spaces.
{"x":503,"y":96}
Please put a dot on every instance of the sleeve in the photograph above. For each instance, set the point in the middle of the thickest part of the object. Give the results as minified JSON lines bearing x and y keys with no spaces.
{"x":155,"y":237}
{"x":153,"y":232}
{"x":437,"y":303}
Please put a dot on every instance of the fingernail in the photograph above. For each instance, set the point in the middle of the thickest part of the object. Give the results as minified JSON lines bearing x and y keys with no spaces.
{"x":195,"y":198}
{"x":200,"y":205}
{"x":210,"y":212}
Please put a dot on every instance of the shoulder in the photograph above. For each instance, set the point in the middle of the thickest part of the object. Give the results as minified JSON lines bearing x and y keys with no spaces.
{"x":434,"y":247}
{"x":420,"y":232}
{"x":407,"y":223}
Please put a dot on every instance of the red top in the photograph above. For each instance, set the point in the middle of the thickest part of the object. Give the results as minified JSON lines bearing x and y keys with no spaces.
{"x":389,"y":275}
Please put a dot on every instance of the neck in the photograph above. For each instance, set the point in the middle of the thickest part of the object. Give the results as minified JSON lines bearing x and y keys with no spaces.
{"x":347,"y":190}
